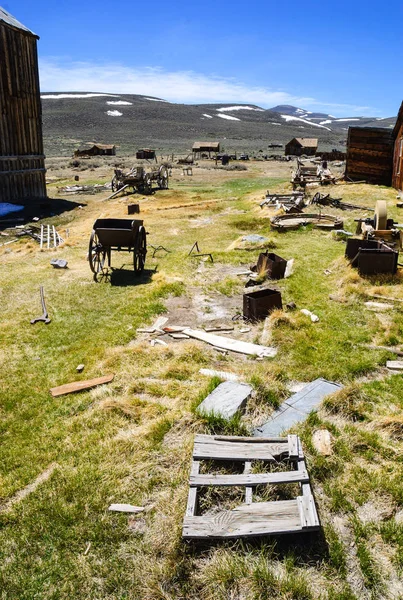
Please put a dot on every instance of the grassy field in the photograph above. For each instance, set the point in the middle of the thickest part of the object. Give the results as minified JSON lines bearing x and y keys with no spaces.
{"x":64,"y":460}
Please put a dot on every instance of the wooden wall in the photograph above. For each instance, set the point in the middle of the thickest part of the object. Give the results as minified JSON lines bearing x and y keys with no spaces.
{"x":397,"y":177}
{"x":295,"y":149}
{"x":370,"y":155}
{"x":22,"y":165}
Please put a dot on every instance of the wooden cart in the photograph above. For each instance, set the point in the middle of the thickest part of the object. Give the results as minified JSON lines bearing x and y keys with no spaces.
{"x":117,"y":234}
{"x":139,"y":180}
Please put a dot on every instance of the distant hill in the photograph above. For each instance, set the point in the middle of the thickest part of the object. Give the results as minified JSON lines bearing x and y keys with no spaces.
{"x":130,"y":121}
{"x":333,"y":123}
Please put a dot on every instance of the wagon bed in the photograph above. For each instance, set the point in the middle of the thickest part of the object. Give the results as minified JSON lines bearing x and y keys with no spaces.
{"x":117,"y":234}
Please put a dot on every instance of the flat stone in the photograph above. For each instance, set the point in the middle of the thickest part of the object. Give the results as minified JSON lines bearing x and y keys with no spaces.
{"x":297,"y":408}
{"x":226,"y":400}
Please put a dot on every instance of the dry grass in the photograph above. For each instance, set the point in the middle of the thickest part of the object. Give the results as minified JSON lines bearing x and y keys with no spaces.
{"x":131,"y":441}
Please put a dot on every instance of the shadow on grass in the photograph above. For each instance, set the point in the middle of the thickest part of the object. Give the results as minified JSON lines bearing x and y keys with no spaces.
{"x":48,"y":207}
{"x":305,"y":549}
{"x":125,"y":277}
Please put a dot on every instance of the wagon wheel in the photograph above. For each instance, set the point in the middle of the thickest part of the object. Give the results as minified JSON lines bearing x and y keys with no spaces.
{"x":148,"y":185}
{"x":97,"y":254}
{"x":140,"y":251}
{"x":163,"y":179}
{"x":115,"y":184}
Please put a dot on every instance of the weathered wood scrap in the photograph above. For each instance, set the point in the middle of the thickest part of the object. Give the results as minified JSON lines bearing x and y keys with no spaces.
{"x":80,"y":386}
{"x":225,"y":343}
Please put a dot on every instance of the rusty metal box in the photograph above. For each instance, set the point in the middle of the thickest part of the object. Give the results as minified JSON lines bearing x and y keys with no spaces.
{"x":257,"y":304}
{"x":272,"y":265}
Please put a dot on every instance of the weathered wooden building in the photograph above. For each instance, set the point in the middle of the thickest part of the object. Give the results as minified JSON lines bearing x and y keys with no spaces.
{"x":145,"y":153}
{"x":300,"y":146}
{"x":22,"y":162}
{"x":97,"y":150}
{"x":370,"y":155}
{"x":397,"y":174}
{"x":200,"y":148}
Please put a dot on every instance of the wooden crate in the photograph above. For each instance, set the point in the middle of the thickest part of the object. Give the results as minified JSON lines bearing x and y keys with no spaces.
{"x":250,"y":519}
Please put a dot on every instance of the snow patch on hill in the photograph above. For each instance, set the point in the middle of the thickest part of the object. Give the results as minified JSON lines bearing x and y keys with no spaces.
{"x":156,"y":100}
{"x":289,"y":118}
{"x":352,"y":119}
{"x":58,"y":96}
{"x":229,"y":117}
{"x":119,"y":102}
{"x":208,"y":116}
{"x":228,"y":108}
{"x":114,"y":113}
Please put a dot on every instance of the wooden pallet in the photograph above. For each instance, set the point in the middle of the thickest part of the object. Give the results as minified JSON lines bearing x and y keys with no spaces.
{"x":250,"y":518}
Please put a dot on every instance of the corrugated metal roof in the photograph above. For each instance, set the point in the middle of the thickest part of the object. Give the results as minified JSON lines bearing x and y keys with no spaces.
{"x":307,"y":142}
{"x":10,"y":20}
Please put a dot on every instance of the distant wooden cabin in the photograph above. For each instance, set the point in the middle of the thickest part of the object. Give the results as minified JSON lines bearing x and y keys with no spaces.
{"x":370,"y":155}
{"x":145,"y":153}
{"x":200,"y":148}
{"x":22,"y":162}
{"x":397,"y":169}
{"x":97,"y":150}
{"x":300,"y":146}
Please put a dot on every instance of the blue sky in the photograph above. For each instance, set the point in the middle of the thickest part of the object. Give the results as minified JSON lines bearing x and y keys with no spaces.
{"x":343,"y":58}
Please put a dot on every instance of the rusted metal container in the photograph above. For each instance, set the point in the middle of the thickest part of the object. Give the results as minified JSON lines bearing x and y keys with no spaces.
{"x":272,"y":265}
{"x":371,"y":256}
{"x":257,"y":304}
{"x":133,"y":209}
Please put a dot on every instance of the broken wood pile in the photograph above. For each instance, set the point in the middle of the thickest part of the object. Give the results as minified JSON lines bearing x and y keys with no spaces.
{"x":293,"y":202}
{"x":45,"y":235}
{"x":249,"y":518}
{"x":83,"y":189}
{"x":326,"y":200}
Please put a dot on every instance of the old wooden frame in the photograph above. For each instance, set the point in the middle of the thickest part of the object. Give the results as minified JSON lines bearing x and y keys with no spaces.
{"x":250,"y":519}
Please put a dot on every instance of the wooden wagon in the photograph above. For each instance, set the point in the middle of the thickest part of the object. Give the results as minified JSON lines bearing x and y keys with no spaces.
{"x":140,"y":180}
{"x":117,"y":234}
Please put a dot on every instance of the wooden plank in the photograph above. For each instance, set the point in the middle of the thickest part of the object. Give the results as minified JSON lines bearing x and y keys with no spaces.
{"x":246,"y":520}
{"x":226,"y":399}
{"x":246,"y":440}
{"x":208,"y":448}
{"x":231,"y":344}
{"x":191,"y":507}
{"x":79,"y":386}
{"x":248,"y":488}
{"x":221,"y":374}
{"x":293,"y":446}
{"x":250,"y":479}
{"x":395,"y":365}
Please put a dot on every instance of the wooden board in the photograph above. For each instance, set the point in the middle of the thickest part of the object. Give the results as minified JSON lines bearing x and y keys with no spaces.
{"x":226,"y":343}
{"x":80,"y":386}
{"x":246,"y":520}
{"x":250,"y":519}
{"x":209,"y":448}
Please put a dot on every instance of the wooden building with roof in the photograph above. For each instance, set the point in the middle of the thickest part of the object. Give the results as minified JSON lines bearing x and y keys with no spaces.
{"x":200,"y":148}
{"x":300,"y":146}
{"x":370,"y":155}
{"x":397,"y":169}
{"x":97,"y":150}
{"x":22,"y":162}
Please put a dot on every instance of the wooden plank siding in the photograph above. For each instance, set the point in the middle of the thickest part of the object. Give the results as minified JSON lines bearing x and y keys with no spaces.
{"x":22,"y":162}
{"x":370,"y":155}
{"x":397,"y":178}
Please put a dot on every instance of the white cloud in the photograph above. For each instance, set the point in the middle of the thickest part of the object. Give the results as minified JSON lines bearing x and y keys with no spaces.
{"x":59,"y":75}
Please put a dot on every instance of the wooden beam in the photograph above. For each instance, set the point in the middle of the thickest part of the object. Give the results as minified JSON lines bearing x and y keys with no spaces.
{"x":80,"y":386}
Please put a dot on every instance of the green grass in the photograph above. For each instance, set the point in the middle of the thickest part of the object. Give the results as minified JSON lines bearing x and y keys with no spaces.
{"x":131,"y":441}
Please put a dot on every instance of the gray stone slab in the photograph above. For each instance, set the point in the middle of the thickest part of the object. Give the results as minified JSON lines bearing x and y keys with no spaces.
{"x":226,"y":399}
{"x":297,"y":408}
